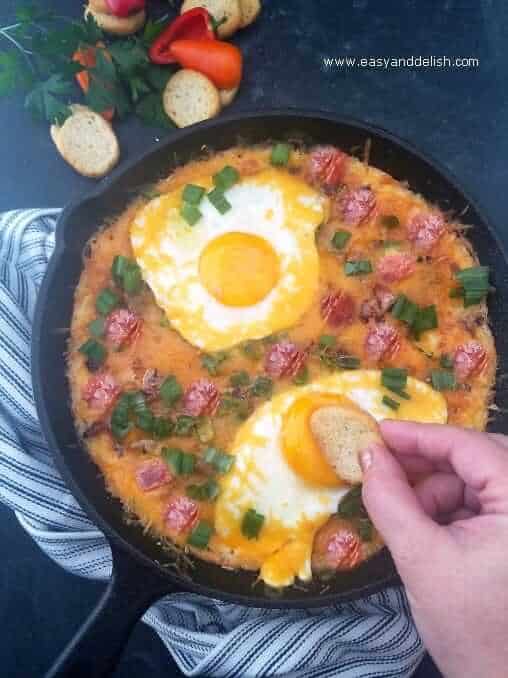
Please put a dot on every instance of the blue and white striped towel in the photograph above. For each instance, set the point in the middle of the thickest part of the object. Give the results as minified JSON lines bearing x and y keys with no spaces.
{"x":367,"y":638}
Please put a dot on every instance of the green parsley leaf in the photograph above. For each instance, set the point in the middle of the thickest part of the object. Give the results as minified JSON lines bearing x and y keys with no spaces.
{"x":340,"y":239}
{"x":252,"y":523}
{"x":43,"y":101}
{"x":212,"y":361}
{"x":151,"y":111}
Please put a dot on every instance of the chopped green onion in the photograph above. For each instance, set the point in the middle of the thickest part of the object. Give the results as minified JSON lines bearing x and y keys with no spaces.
{"x":95,"y":354}
{"x":120,"y":424}
{"x":220,"y":461}
{"x":358,"y":267}
{"x":227,"y":177}
{"x":392,"y":244}
{"x":132,"y":280}
{"x":280,"y":154}
{"x":238,"y":379}
{"x":365,"y":530}
{"x":262,"y":387}
{"x":96,"y":328}
{"x":426,"y":319}
{"x":389,"y":402}
{"x":206,"y":492}
{"x":162,"y":428}
{"x":184,"y":425}
{"x":145,"y":421}
{"x":219,"y":201}
{"x":302,"y":377}
{"x":181,"y":462}
{"x":340,"y":239}
{"x":137,"y":402}
{"x":251,"y":349}
{"x":404,"y":310}
{"x":118,"y":268}
{"x":212,"y":362}
{"x":193,"y":194}
{"x":126,"y":274}
{"x":200,"y":535}
{"x":170,"y":390}
{"x":389,"y":221}
{"x":252,"y":523}
{"x":446,"y":361}
{"x":456,"y":293}
{"x":106,"y":301}
{"x":443,"y":380}
{"x":190,"y":213}
{"x":347,"y":362}
{"x":475,"y":283}
{"x":205,"y":430}
{"x":351,"y":504}
{"x":164,"y":322}
{"x":394,"y":379}
{"x":327,"y":341}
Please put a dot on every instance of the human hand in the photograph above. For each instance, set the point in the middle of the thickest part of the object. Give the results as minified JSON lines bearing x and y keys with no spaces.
{"x":439,"y":497}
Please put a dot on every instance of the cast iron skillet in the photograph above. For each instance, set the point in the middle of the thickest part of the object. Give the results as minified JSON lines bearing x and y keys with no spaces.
{"x":141,"y":570}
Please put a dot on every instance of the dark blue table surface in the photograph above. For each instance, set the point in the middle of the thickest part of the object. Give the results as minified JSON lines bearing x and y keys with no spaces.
{"x":459,"y":116}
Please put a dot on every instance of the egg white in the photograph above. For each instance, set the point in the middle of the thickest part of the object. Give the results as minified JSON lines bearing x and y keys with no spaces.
{"x":262,"y":479}
{"x":272,"y":205}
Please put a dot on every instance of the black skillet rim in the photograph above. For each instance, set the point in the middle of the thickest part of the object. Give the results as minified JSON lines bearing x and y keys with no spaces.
{"x":114,"y":538}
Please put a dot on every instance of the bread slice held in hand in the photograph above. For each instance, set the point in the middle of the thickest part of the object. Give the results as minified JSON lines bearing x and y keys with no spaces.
{"x":227,"y":12}
{"x":87,"y":142}
{"x":190,"y":97}
{"x":118,"y":25}
{"x":342,"y":432}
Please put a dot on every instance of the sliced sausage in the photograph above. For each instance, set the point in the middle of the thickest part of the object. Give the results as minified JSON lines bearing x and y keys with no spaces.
{"x":425,"y":229}
{"x":284,"y":359}
{"x":380,"y":302}
{"x":152,"y":474}
{"x":382,"y":341}
{"x":355,"y":205}
{"x":181,"y":513}
{"x":337,"y":308}
{"x":395,"y":267}
{"x":200,"y":398}
{"x":337,"y":547}
{"x":101,"y":391}
{"x":122,"y":326}
{"x":468,"y":360}
{"x":326,"y":167}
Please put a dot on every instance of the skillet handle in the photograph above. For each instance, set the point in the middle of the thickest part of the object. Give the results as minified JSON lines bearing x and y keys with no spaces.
{"x":97,"y":646}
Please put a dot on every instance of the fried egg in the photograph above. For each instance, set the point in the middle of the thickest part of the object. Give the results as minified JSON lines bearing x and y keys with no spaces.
{"x":240,"y":275}
{"x":281,"y":473}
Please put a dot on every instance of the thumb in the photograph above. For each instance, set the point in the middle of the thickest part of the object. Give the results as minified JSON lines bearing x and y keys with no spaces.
{"x":395,"y":510}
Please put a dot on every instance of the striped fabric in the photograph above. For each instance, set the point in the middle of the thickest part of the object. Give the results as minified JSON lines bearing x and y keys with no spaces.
{"x":371,"y":637}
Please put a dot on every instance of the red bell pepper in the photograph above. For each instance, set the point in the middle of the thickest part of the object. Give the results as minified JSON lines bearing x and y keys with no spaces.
{"x":123,"y":8}
{"x":192,"y":25}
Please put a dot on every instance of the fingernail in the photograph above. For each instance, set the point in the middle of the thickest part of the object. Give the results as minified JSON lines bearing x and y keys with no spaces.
{"x":366,"y":459}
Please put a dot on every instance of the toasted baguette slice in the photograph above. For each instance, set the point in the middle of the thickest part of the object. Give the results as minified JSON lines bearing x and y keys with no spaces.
{"x":342,"y":432}
{"x":117,"y":25}
{"x":227,"y":95}
{"x":219,"y":9}
{"x":190,"y":97}
{"x":99,"y":6}
{"x":250,"y":10}
{"x":87,"y":142}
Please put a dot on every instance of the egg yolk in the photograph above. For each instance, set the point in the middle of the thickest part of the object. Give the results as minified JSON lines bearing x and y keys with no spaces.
{"x":301,"y":450}
{"x":239,"y":269}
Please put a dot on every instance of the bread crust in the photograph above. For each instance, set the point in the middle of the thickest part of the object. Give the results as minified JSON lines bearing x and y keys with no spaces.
{"x":190,"y":97}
